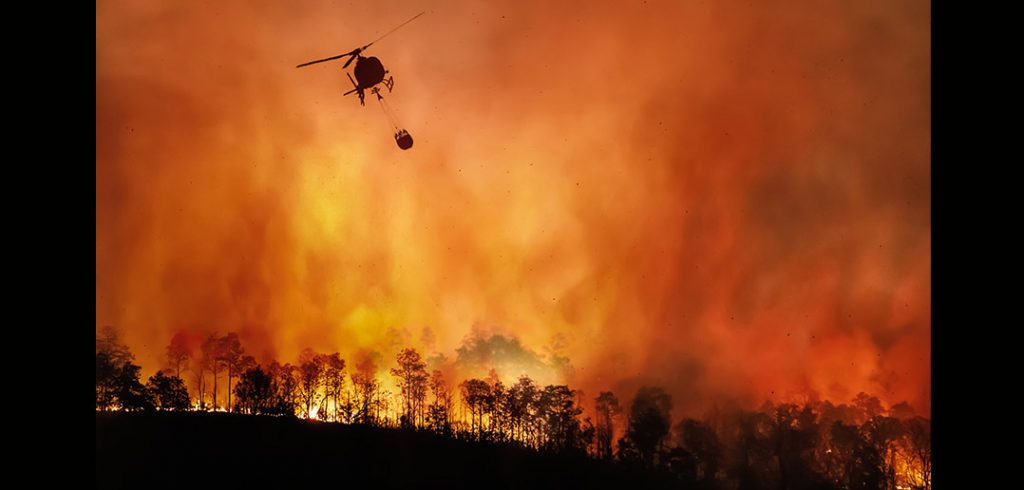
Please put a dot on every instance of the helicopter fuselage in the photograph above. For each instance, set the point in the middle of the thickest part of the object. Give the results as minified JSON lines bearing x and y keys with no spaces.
{"x":369,"y":71}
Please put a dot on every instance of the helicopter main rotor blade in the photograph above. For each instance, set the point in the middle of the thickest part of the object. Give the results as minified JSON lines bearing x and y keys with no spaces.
{"x":355,"y":52}
{"x":393,"y":30}
{"x":352,"y":53}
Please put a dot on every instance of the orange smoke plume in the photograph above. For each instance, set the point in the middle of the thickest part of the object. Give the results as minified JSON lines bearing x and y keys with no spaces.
{"x":729,"y":199}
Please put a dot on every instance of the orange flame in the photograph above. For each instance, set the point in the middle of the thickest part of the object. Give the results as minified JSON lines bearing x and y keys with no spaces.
{"x":727,"y":199}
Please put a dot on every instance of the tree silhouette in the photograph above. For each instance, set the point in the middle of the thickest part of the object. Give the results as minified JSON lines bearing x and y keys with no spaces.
{"x":607,"y":407}
{"x":199,"y":368}
{"x":794,"y":437}
{"x":230,"y":356}
{"x":117,"y":378}
{"x":493,"y":403}
{"x":243,"y":364}
{"x":862,"y":444}
{"x":753,"y":463}
{"x":902,"y":411}
{"x":439,"y":412}
{"x":412,"y":381}
{"x":918,"y":437}
{"x":211,"y":353}
{"x":311,"y":375}
{"x":108,"y":341}
{"x":562,"y":427}
{"x":649,"y":421}
{"x":884,"y":433}
{"x":105,"y":375}
{"x":129,"y":392}
{"x":284,"y":388}
{"x":701,"y":441}
{"x":366,"y":388}
{"x":169,"y":392}
{"x":522,"y":401}
{"x":586,"y":435}
{"x":334,"y":381}
{"x":855,"y":462}
{"x":255,"y":391}
{"x":178,"y":353}
{"x":869,"y":406}
{"x":828,"y":413}
{"x":474,"y":396}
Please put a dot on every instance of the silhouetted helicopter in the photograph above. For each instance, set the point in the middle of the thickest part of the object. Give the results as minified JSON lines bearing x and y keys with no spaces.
{"x":369,"y":73}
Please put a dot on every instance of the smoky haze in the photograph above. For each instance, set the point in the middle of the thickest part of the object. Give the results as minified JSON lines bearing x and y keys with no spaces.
{"x":728,"y":199}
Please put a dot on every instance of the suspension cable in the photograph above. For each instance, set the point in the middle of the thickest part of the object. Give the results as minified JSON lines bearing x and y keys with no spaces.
{"x":390,"y":113}
{"x":402,"y":137}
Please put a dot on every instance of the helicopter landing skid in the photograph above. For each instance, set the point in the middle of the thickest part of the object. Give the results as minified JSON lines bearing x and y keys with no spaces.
{"x":389,"y":82}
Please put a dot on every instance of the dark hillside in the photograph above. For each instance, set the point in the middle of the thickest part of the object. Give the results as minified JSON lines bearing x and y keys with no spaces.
{"x":205,"y":450}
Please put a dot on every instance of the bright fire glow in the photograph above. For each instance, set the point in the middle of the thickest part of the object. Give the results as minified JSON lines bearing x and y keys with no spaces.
{"x":729,"y":199}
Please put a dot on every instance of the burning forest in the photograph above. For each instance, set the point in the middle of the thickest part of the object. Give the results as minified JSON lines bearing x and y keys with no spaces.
{"x":860,"y":444}
{"x":689,"y":238}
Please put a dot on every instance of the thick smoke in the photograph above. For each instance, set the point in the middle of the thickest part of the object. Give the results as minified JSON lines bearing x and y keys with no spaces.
{"x":481,"y":352}
{"x":729,"y":199}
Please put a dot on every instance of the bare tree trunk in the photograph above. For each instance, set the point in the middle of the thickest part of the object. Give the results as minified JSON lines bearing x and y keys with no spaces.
{"x":202,"y":388}
{"x":215,"y":389}
{"x":229,"y":389}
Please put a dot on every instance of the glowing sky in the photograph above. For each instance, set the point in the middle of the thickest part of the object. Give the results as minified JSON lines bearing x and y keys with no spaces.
{"x":730,"y":199}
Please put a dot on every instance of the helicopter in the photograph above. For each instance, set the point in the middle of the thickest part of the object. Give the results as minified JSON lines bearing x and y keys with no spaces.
{"x":370,"y":72}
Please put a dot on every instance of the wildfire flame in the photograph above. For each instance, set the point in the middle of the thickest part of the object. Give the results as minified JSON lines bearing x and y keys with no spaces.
{"x":671,"y":193}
